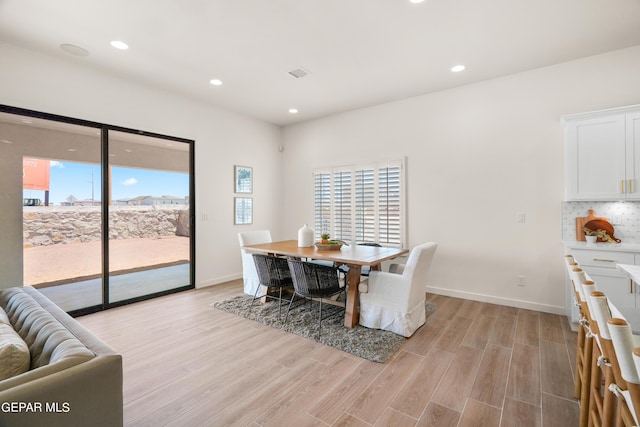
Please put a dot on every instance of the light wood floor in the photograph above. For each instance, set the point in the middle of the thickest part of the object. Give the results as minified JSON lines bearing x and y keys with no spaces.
{"x":472,"y":364}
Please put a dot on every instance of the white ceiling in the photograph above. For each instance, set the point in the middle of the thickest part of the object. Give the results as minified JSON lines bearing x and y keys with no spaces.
{"x":359,"y":52}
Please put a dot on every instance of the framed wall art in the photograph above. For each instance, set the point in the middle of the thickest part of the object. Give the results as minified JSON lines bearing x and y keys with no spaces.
{"x":243,"y":179}
{"x":243,"y":210}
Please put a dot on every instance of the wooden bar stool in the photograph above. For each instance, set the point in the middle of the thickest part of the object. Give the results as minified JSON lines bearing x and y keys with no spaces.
{"x":626,"y":386}
{"x":584,"y":350}
{"x":602,"y":403}
{"x":571,"y":265}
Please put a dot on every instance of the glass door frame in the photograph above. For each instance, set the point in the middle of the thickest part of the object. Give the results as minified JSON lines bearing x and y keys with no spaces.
{"x":104,"y":163}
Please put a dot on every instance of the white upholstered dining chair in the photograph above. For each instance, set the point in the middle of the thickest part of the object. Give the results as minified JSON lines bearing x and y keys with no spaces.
{"x":249,"y":273}
{"x":396,"y":301}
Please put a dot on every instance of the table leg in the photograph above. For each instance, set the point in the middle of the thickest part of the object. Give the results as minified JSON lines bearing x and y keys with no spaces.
{"x":352,"y":308}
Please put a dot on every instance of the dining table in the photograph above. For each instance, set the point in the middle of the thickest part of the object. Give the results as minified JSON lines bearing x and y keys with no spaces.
{"x":353,"y":256}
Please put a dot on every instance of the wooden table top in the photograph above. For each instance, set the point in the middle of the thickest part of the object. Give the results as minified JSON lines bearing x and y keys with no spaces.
{"x":348,"y":254}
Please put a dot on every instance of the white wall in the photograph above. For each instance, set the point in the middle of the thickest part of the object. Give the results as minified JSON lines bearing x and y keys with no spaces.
{"x":476,"y":157}
{"x":222,"y":139}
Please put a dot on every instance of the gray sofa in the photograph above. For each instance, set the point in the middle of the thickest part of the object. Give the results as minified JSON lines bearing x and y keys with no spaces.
{"x":74,"y":378}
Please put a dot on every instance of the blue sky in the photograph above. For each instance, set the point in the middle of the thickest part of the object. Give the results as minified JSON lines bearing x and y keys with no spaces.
{"x":69,"y":178}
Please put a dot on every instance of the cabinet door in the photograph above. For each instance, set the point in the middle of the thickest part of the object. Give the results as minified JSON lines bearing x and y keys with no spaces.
{"x":603,"y":259}
{"x":633,"y":156}
{"x":595,"y":154}
{"x":619,"y":290}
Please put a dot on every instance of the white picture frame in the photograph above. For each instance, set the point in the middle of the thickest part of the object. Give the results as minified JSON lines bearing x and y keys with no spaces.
{"x":243,"y":210}
{"x":243,"y":179}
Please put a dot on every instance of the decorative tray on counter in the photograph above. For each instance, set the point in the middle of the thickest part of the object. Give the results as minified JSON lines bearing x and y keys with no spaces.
{"x":597,"y":226}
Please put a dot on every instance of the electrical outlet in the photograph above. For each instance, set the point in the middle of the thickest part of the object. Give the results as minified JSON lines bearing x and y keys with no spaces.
{"x":522,"y":217}
{"x":522,"y":280}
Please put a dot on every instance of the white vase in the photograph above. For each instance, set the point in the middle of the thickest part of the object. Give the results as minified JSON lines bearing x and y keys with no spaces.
{"x":591,"y":239}
{"x":305,"y":237}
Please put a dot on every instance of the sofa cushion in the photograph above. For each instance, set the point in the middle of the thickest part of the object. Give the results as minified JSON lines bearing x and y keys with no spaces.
{"x":48,"y":340}
{"x":14,"y":352}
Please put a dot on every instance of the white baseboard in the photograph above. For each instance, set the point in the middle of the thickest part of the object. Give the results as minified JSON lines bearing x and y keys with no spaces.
{"x":561,"y":310}
{"x":439,"y":291}
{"x":218,"y":280}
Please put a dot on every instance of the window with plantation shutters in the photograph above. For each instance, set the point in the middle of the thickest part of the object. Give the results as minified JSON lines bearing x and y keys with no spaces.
{"x":362,"y":204}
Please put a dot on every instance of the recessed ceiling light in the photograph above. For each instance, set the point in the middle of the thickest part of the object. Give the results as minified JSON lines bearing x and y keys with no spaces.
{"x":416,"y":1}
{"x":293,"y":110}
{"x":215,"y":82}
{"x":6,"y":141}
{"x":119,"y":45}
{"x":457,"y":68}
{"x":72,"y":149}
{"x":128,"y":150}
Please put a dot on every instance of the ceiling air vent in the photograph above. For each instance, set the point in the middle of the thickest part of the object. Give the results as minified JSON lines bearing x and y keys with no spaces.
{"x":299,"y":72}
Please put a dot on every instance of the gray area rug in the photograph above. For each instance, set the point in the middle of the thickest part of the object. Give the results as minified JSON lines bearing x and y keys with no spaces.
{"x":372,"y":344}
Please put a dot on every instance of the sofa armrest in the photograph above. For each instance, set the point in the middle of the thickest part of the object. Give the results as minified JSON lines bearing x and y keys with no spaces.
{"x":74,"y":388}
{"x":83,"y":394}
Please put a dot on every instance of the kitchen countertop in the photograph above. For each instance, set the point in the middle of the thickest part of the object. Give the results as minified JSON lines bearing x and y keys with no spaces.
{"x":621,"y":247}
{"x":632,"y":271}
{"x":631,"y":315}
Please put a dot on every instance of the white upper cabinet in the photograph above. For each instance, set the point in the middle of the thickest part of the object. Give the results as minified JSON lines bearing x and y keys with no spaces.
{"x":602,"y":154}
{"x":633,"y":155}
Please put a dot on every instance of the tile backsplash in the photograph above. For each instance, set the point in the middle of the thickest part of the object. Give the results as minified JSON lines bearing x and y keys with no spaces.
{"x":624,"y":216}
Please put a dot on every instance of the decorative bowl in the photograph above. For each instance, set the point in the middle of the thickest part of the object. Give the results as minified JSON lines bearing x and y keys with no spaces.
{"x":331,"y":246}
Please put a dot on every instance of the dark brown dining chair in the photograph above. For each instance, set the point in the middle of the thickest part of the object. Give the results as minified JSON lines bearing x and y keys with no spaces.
{"x":314,"y":281}
{"x":273,"y":273}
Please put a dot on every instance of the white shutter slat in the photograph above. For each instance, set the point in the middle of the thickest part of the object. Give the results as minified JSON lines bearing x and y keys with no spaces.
{"x":365,"y":205}
{"x":342,"y":205}
{"x":322,"y":201}
{"x":389,"y":205}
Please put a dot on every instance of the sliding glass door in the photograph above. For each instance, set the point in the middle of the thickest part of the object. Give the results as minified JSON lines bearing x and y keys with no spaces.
{"x":94,"y":215}
{"x":61,"y":209}
{"x":149,"y":226}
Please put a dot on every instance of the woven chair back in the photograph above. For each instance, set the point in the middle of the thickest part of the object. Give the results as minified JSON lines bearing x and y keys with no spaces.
{"x":314,"y":280}
{"x":272,"y":271}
